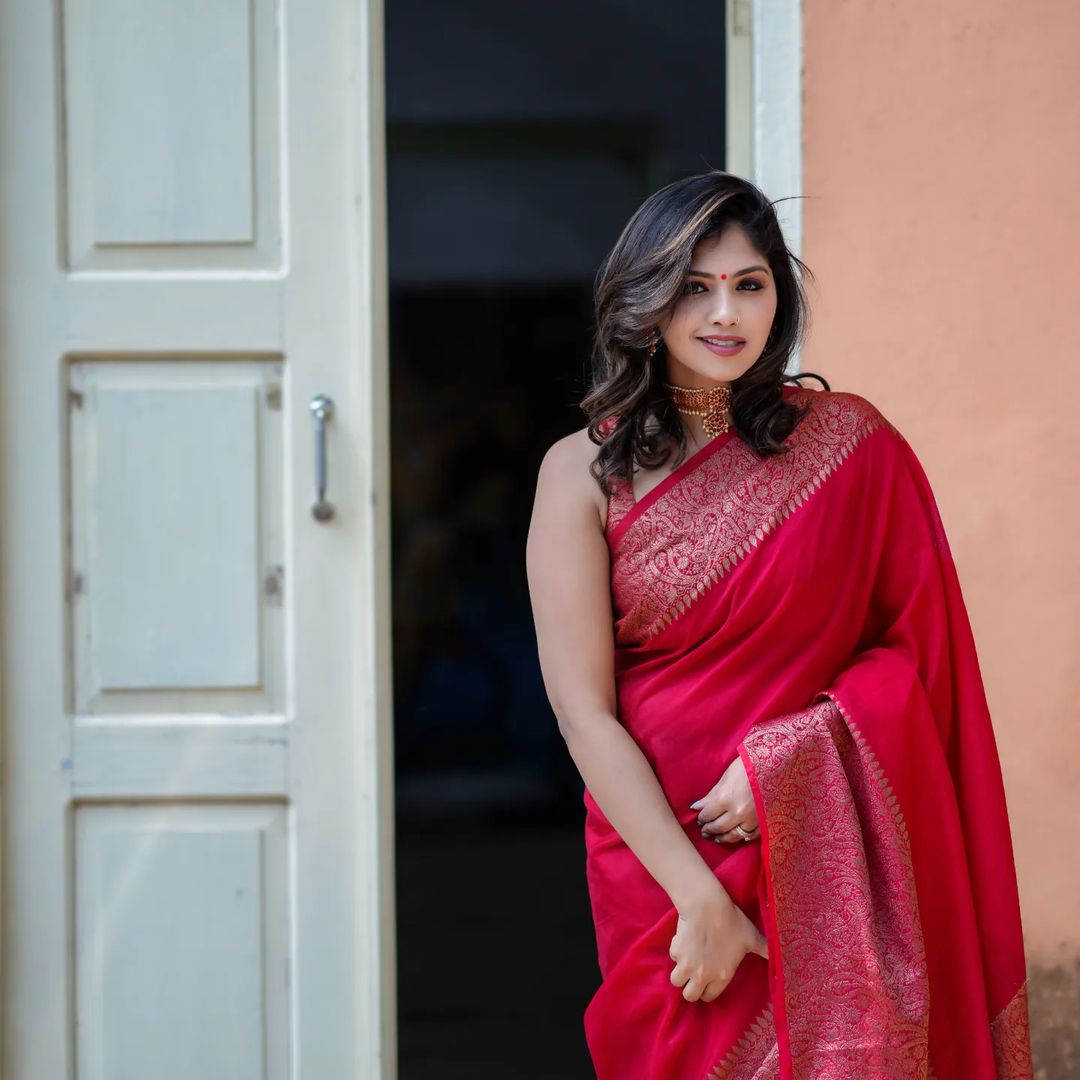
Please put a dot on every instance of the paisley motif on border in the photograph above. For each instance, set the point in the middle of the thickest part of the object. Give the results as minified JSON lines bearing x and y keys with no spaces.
{"x":853,"y":960}
{"x":1010,"y":1032}
{"x":756,"y":1056}
{"x":715,"y":515}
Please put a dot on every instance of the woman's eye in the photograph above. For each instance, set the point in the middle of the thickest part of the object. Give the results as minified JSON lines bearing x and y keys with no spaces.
{"x":754,"y":286}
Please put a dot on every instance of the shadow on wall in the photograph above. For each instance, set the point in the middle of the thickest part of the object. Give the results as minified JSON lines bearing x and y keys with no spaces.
{"x":1054,"y":1007}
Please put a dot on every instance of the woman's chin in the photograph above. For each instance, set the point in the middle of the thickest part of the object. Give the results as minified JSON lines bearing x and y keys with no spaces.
{"x":711,"y":370}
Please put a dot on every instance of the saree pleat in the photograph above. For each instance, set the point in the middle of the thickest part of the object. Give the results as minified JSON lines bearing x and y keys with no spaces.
{"x":802,"y":611}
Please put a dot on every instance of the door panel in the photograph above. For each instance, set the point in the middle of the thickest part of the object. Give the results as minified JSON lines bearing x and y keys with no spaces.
{"x":175,"y":531}
{"x":181,"y":903}
{"x":196,"y":740}
{"x":188,"y":97}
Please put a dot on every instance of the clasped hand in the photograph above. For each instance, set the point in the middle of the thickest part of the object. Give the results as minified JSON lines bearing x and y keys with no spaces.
{"x":729,"y":803}
{"x":711,"y":938}
{"x":714,"y":934}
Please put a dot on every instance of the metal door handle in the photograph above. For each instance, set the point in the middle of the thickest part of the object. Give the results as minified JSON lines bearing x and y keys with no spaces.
{"x":322,"y":409}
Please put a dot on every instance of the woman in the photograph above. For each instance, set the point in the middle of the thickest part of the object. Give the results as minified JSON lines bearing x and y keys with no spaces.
{"x":755,"y":644}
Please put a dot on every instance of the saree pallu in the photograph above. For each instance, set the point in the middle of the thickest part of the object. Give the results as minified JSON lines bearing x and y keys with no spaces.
{"x":803,"y":611}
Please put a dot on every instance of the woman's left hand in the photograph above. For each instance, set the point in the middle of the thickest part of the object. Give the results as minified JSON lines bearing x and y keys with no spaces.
{"x":729,"y":803}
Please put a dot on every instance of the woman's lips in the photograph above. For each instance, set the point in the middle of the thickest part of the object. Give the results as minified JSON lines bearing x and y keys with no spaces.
{"x":728,"y":349}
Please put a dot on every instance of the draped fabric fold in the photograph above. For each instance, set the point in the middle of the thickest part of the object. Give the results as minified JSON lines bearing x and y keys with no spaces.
{"x":803,"y":612}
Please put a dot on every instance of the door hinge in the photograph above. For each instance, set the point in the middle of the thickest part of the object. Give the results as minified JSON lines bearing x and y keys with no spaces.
{"x":274,"y":584}
{"x":273,"y":396}
{"x":76,"y":584}
{"x":75,"y":398}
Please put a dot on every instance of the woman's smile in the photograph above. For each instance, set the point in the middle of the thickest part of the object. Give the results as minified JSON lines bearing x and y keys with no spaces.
{"x":722,"y":347}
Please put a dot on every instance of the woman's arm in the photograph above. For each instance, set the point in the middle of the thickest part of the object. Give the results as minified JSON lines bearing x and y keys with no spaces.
{"x":569,"y":584}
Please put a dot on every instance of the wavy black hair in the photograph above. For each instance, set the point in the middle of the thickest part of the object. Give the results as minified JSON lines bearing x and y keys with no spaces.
{"x":636,"y":286}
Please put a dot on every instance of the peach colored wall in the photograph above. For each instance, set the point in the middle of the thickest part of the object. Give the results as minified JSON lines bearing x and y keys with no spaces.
{"x":942,"y":220}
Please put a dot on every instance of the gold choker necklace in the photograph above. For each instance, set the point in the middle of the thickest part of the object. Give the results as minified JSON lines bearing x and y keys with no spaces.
{"x":712,"y":402}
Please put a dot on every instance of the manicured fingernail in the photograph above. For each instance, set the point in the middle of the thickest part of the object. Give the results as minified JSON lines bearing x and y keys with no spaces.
{"x":697,"y":805}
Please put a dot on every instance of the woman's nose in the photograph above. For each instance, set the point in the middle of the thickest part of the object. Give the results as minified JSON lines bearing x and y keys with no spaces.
{"x":724,"y":310}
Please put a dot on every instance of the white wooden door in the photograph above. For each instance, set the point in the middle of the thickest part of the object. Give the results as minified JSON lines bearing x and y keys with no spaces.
{"x":197,"y":771}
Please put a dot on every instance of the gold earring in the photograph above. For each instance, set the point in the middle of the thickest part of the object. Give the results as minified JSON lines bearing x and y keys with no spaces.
{"x":651,"y":350}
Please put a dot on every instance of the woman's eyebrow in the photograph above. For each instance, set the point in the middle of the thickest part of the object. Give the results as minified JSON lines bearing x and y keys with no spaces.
{"x":738,"y":273}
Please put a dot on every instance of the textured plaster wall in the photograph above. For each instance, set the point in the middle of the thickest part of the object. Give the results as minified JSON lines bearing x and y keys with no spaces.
{"x":942,"y":218}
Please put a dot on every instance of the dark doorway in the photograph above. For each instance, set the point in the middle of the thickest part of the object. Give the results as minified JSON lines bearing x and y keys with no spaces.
{"x":520,"y":139}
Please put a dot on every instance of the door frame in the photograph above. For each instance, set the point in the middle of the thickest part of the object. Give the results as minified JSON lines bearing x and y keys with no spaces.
{"x":375,"y":770}
{"x":764,"y":105}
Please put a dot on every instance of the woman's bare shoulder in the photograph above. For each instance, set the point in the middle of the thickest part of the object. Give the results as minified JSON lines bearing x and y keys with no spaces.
{"x":565,"y":470}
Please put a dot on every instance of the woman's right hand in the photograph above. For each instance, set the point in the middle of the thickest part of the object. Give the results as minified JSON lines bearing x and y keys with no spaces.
{"x":712,"y":936}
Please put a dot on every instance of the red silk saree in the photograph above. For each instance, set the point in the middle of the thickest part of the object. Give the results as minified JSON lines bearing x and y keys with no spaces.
{"x":803,"y":611}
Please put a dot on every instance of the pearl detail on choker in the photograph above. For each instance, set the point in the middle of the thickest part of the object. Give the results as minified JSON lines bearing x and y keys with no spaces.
{"x":711,"y":402}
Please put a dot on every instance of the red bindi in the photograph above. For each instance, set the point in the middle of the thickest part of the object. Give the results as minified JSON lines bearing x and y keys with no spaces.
{"x":723,"y":277}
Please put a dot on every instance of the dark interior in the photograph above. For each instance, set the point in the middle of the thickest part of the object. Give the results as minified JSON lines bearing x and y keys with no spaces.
{"x":520,"y":140}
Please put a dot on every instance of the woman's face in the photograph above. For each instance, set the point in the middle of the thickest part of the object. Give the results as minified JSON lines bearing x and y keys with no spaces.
{"x":729,"y":292}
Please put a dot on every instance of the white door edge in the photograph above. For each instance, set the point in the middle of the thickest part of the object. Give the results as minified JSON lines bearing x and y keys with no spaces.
{"x":764,"y":114}
{"x":374,"y":340}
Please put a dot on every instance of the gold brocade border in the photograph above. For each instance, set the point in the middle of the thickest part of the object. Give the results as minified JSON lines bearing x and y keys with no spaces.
{"x":841,"y":877}
{"x":1010,"y":1032}
{"x":756,"y":1056}
{"x":874,"y":768}
{"x":704,"y":526}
